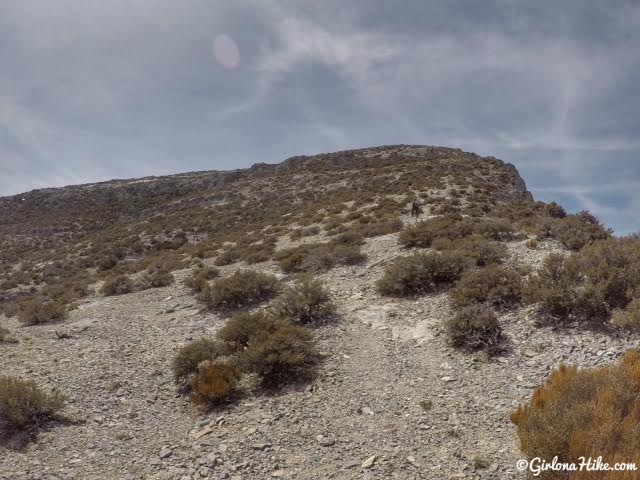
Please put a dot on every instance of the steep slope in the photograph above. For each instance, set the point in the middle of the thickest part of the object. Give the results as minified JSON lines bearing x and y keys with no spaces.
{"x":392,"y":397}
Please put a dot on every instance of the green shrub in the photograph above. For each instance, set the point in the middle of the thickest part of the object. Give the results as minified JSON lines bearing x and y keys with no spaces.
{"x":285,"y":355}
{"x":475,"y":327}
{"x":586,"y":286}
{"x":118,"y":285}
{"x":587,"y":413}
{"x":421,"y":273}
{"x":243,"y":288}
{"x":213,"y":382}
{"x":186,"y":361}
{"x":241,"y":328}
{"x":38,"y":310}
{"x":495,"y":285}
{"x":307,"y":302}
{"x":24,"y":407}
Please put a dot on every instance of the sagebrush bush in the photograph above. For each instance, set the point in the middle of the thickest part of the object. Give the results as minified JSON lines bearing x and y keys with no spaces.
{"x":187,"y":359}
{"x":629,"y":317}
{"x":454,"y":227}
{"x":421,"y":273}
{"x":495,"y":285}
{"x":314,"y":258}
{"x":475,"y":327}
{"x":282,"y":356}
{"x":199,"y":278}
{"x":213,"y":382}
{"x":243,"y":288}
{"x":118,"y":285}
{"x":584,"y":413}
{"x":5,"y":336}
{"x":481,"y":251}
{"x":574,"y":231}
{"x":304,"y":232}
{"x":588,"y":285}
{"x":307,"y":302}
{"x":39,"y":309}
{"x":24,"y":407}
{"x":241,"y":328}
{"x":156,"y":278}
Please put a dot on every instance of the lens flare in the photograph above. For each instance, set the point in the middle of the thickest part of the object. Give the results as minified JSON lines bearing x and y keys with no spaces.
{"x":226,"y":52}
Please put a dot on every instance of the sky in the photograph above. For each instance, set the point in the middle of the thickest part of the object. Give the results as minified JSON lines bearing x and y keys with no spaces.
{"x":92,"y":90}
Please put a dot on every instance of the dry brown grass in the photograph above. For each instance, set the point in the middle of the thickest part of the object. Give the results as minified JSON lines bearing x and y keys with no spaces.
{"x":584,"y":413}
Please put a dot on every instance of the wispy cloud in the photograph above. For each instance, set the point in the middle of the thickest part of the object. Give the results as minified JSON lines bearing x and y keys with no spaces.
{"x":93,"y":89}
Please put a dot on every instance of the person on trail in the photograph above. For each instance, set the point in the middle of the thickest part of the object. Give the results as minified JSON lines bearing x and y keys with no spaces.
{"x":415,"y":209}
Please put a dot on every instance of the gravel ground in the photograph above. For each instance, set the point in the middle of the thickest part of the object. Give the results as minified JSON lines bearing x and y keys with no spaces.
{"x":392,"y":399}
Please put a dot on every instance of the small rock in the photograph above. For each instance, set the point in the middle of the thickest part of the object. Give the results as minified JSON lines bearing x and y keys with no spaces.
{"x":165,"y":452}
{"x":368,"y":463}
{"x":325,"y":441}
{"x":260,"y":446}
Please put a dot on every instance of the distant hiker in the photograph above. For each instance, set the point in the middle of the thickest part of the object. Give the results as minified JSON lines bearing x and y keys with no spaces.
{"x":415,"y":209}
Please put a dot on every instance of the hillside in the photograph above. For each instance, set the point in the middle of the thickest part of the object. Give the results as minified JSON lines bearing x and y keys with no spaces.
{"x":103,"y":285}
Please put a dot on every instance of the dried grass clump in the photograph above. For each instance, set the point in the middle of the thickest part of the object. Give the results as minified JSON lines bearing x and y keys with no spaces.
{"x":421,"y":273}
{"x":475,"y":327}
{"x":494,"y":285}
{"x":118,"y":285}
{"x":243,"y":288}
{"x":24,"y":408}
{"x":307,"y":302}
{"x":584,"y":413}
{"x":39,"y":309}
{"x":213,"y":383}
{"x":588,"y":285}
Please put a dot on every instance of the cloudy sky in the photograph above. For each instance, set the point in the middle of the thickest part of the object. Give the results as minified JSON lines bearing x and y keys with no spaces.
{"x":98,"y":89}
